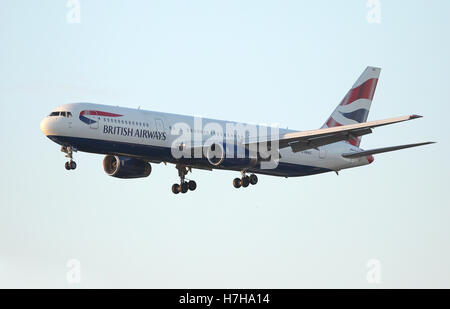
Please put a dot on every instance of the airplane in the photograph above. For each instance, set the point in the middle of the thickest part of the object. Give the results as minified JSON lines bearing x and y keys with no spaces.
{"x":132,"y":139}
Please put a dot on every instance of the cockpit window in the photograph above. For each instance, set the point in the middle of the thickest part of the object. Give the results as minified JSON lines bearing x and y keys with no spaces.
{"x":63,"y":114}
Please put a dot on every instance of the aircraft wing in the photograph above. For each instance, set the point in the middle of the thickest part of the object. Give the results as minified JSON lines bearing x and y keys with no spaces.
{"x":300,"y":141}
{"x":354,"y":155}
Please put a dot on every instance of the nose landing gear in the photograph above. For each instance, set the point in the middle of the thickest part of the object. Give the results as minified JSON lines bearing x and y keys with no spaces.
{"x":71,"y":165}
{"x":69,"y":150}
{"x":245,"y":181}
{"x":184,"y":185}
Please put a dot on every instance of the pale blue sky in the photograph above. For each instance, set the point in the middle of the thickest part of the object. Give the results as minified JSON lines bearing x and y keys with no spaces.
{"x":288,"y":62}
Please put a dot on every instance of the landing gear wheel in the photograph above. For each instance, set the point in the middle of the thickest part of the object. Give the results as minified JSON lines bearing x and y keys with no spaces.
{"x":184,"y":187}
{"x":70,"y":165}
{"x":176,"y":188}
{"x":192,"y":185}
{"x":73,"y":165}
{"x":245,"y":181}
{"x":237,"y":183}
{"x":253,"y":179}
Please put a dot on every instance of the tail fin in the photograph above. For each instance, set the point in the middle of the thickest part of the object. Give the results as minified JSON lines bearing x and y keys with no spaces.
{"x":355,"y":106}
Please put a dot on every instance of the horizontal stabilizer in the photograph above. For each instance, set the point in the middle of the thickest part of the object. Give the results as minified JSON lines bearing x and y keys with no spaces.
{"x":354,"y":155}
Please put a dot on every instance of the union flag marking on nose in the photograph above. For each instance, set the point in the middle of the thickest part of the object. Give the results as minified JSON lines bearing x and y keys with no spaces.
{"x":87,"y":120}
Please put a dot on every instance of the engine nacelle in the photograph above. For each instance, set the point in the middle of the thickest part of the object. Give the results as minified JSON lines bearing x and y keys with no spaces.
{"x":229,"y":156}
{"x":125,"y":167}
{"x":215,"y":154}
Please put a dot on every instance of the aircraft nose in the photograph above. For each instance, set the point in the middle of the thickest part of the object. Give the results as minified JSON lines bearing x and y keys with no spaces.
{"x":44,"y":126}
{"x":47,"y":126}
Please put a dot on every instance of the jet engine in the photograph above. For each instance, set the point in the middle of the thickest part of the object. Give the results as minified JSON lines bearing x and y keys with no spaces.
{"x":229,"y":156}
{"x":125,"y":167}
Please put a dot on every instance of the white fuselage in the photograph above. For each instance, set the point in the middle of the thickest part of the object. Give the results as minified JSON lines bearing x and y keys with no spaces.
{"x":152,"y":135}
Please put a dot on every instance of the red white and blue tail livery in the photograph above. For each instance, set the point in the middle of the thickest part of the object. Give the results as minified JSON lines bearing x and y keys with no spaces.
{"x":355,"y":106}
{"x":133,"y":139}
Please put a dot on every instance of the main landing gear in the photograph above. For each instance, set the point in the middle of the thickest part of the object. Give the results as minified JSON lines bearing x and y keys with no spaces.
{"x":245,"y":181}
{"x":69,"y":150}
{"x":184,"y":185}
